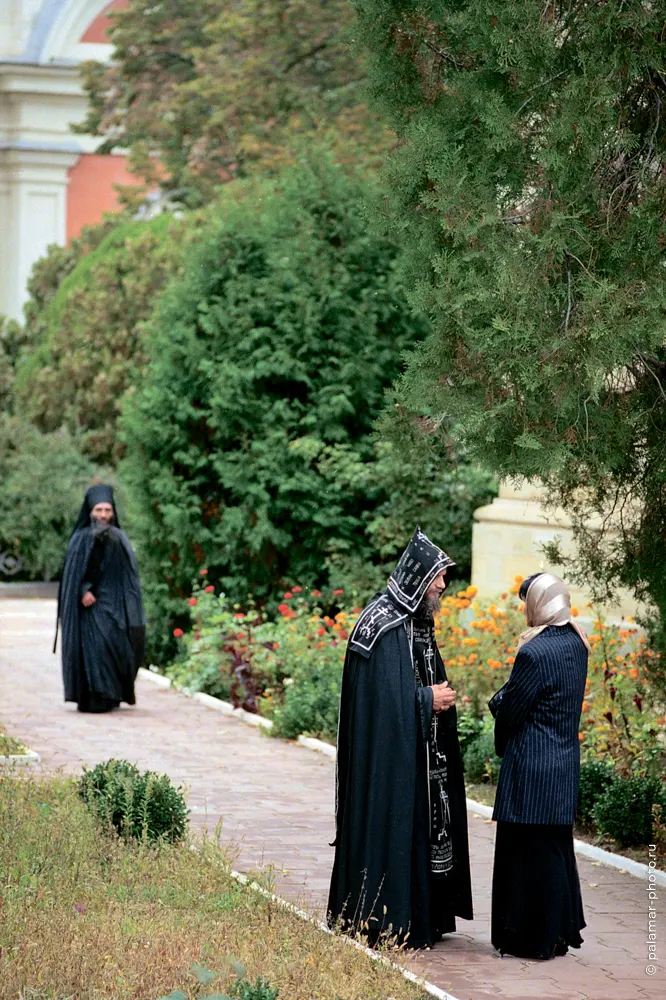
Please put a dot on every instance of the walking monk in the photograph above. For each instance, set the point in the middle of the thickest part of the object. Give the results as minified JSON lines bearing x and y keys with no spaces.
{"x":99,"y":609}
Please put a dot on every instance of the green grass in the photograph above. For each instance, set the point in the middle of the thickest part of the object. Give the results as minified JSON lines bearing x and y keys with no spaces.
{"x":84,"y":914}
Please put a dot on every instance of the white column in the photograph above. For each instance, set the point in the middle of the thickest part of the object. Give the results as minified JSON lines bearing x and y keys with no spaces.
{"x":507,"y":541}
{"x":33,"y":214}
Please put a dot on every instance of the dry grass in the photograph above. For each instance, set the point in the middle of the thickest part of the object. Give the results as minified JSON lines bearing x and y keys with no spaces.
{"x":84,"y":916}
{"x":8,"y":745}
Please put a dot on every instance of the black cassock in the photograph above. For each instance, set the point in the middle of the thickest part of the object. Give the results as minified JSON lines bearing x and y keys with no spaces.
{"x":102,"y":646}
{"x":402,"y":858}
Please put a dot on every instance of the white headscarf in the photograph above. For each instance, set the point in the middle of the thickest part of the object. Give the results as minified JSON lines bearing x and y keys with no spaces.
{"x":548,"y":602}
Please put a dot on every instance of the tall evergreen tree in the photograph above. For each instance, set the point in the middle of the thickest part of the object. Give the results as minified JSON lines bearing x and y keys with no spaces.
{"x":529,"y":194}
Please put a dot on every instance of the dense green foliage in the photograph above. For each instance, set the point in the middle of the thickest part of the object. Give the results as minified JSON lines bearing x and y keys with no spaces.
{"x":212,"y":89}
{"x":595,"y":777}
{"x":529,"y":195}
{"x":43,"y":479}
{"x":86,"y":335}
{"x":624,"y":811}
{"x":139,"y":805}
{"x":250,"y":448}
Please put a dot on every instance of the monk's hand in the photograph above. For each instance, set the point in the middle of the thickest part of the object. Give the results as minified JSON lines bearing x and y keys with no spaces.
{"x":88,"y":599}
{"x":443,"y":697}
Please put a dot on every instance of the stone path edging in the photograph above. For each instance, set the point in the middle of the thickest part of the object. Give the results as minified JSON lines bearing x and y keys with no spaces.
{"x":597,"y":854}
{"x":20,"y":759}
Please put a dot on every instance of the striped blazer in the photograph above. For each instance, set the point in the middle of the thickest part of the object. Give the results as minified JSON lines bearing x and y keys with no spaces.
{"x":537,"y":715}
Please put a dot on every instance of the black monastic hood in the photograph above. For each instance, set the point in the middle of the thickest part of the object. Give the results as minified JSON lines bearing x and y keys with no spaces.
{"x":99,"y":493}
{"x":419,"y":564}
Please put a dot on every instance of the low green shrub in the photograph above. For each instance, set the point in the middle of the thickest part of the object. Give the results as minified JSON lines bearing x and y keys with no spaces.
{"x":624,"y":810}
{"x":140,"y":805}
{"x":480,"y":762}
{"x":595,"y":777}
{"x":469,"y":727}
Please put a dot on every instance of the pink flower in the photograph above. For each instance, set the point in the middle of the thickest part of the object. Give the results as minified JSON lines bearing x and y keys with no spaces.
{"x":288,"y":596}
{"x":336,"y":592}
{"x":297,"y":590}
{"x":80,"y":908}
{"x":210,"y":589}
{"x":315,"y":593}
{"x":203,"y":572}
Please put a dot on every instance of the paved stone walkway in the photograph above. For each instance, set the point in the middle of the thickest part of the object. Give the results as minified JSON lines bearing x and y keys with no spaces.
{"x":274,"y":801}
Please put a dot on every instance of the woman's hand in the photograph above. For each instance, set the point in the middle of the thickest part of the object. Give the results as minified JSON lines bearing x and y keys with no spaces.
{"x":443,"y":697}
{"x":88,"y":599}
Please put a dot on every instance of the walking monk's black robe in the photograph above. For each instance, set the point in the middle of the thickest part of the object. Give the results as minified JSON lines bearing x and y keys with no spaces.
{"x":102,"y":646}
{"x":402,"y":859}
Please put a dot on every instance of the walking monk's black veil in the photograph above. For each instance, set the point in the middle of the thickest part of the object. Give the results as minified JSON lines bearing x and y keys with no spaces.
{"x":402,"y":858}
{"x":102,"y":645}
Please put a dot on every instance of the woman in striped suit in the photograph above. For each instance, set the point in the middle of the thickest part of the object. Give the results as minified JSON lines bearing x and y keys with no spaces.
{"x":537,"y":911}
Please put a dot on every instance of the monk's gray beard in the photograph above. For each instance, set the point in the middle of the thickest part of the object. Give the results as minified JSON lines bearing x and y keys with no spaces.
{"x":99,"y":527}
{"x":428,"y":606}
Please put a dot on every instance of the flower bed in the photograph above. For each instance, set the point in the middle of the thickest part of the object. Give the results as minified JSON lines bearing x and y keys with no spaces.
{"x":289,"y":669}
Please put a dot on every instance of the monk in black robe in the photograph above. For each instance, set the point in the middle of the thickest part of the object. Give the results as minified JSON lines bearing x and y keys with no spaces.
{"x":402,"y":859}
{"x":100,"y":611}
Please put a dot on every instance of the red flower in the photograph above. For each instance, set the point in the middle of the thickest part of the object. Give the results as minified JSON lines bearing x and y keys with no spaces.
{"x":192,"y":601}
{"x":356,"y":611}
{"x":315,"y":593}
{"x":288,"y":596}
{"x":203,"y":572}
{"x":336,"y":592}
{"x":178,"y":632}
{"x":297,"y":590}
{"x":210,"y":589}
{"x":283,"y":609}
{"x":239,"y":616}
{"x":321,"y":631}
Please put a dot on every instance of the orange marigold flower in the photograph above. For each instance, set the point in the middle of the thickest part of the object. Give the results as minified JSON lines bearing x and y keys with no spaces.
{"x":586,"y":706}
{"x":631,"y":619}
{"x":192,"y":601}
{"x":518,"y":579}
{"x":633,"y":673}
{"x":581,"y":737}
{"x":574,"y":612}
{"x":178,"y":632}
{"x":504,"y":596}
{"x":472,"y":591}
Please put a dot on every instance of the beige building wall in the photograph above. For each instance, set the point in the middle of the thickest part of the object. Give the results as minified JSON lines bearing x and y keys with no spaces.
{"x":507,"y":542}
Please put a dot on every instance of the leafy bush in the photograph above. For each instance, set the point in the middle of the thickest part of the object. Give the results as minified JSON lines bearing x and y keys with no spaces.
{"x":43,"y":479}
{"x":469,"y":727}
{"x":270,"y":361}
{"x":481,"y":764}
{"x":88,"y":343}
{"x":595,"y":777}
{"x":624,"y":810}
{"x":140,"y":805}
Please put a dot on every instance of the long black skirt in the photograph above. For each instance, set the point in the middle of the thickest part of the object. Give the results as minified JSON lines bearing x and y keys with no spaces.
{"x":537,"y":909}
